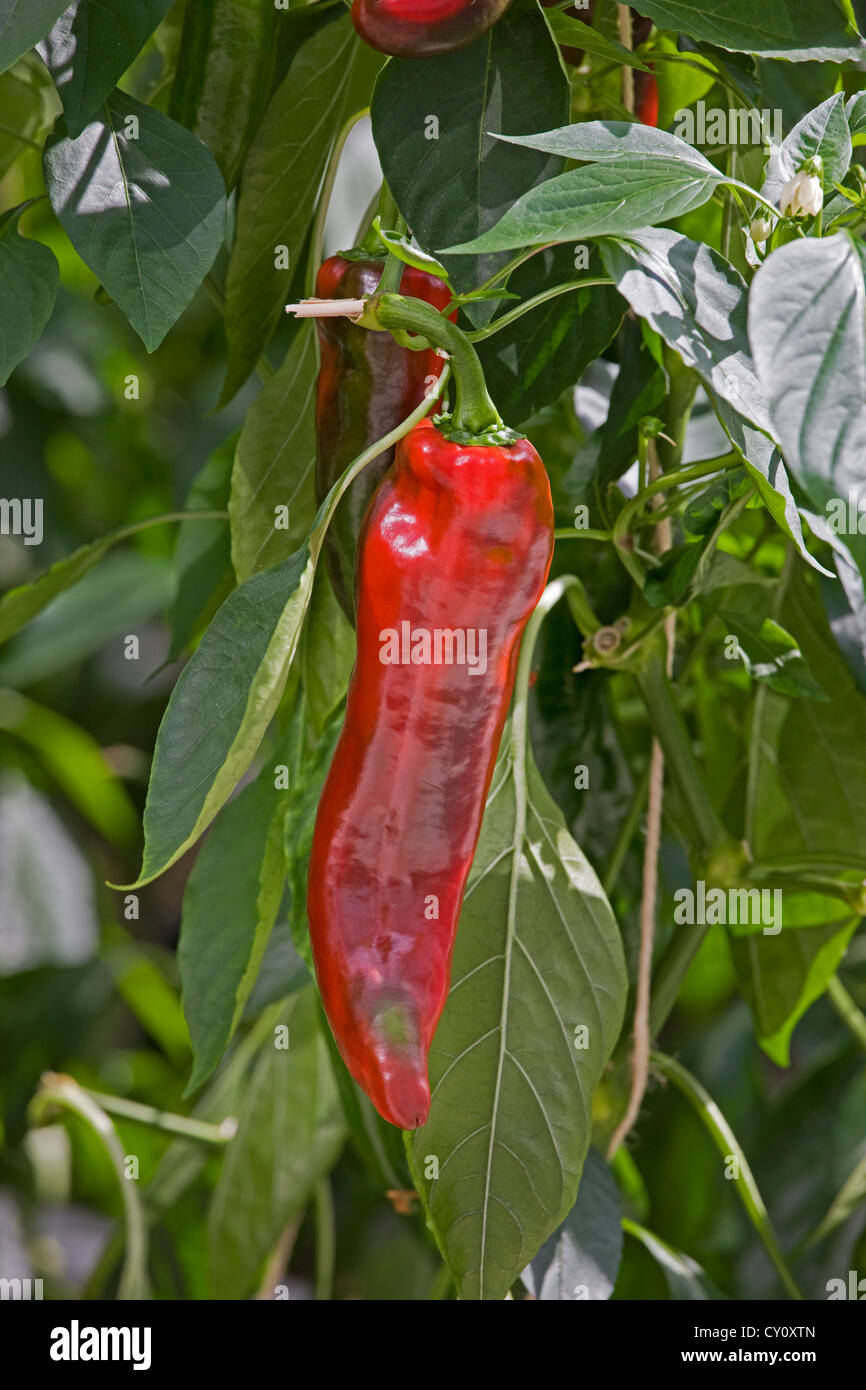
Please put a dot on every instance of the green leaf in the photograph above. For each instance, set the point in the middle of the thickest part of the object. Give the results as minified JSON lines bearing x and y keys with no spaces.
{"x":73,"y":758}
{"x":529,"y":364}
{"x":330,"y":78}
{"x":684,"y":1277}
{"x":230,"y":906}
{"x":143,"y":204}
{"x":573,"y":33}
{"x":290,"y":1132}
{"x":90,"y":48}
{"x":824,"y":132}
{"x":808,"y":333}
{"x":221,"y":706}
{"x":609,"y":142}
{"x":538,"y":958}
{"x":769,"y":653}
{"x":775,"y":30}
{"x":22,"y":24}
{"x":697,"y":302}
{"x":29,"y":276}
{"x":275,"y":463}
{"x":455,"y":186}
{"x":781,"y":977}
{"x":20,"y":605}
{"x":125,"y":590}
{"x":222,"y":87}
{"x":580,"y":1260}
{"x":596,"y":200}
{"x":21,"y":101}
{"x":202,"y":555}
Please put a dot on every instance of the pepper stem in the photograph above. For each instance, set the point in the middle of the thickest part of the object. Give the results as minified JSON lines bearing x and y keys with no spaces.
{"x":474,"y":417}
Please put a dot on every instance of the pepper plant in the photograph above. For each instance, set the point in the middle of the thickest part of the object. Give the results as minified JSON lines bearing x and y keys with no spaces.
{"x":621,"y":1007}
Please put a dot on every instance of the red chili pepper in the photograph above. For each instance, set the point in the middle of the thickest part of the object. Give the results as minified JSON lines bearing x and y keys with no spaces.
{"x":452,"y":560}
{"x":423,"y":28}
{"x":367,"y":385}
{"x":646,"y":98}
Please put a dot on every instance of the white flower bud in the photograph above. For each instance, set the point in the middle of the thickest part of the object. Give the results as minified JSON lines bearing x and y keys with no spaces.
{"x":760,"y":230}
{"x":802,"y":196}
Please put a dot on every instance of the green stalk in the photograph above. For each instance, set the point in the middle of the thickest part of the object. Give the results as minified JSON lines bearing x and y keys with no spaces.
{"x":475,"y":418}
{"x":513,"y":315}
{"x":183,"y":1126}
{"x":847,"y":1010}
{"x":62,"y":1092}
{"x":326,"y":1239}
{"x":729,"y":1147}
{"x":669,"y":728}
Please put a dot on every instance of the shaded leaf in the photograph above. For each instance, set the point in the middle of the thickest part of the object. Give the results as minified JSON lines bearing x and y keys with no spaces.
{"x":22,"y":24}
{"x":91,"y":46}
{"x":581,"y":1259}
{"x":776,"y":30}
{"x":145,"y":211}
{"x":457,"y":185}
{"x":290,"y":1131}
{"x":275,"y":463}
{"x":29,"y":276}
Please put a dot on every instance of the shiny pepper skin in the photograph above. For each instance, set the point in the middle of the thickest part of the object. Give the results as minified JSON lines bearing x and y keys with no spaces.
{"x":458,"y":538}
{"x":423,"y":28}
{"x":367,"y":386}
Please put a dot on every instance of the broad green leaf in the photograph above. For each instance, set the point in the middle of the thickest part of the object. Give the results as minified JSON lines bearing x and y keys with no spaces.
{"x":768,"y":472}
{"x":330,"y":79}
{"x":29,"y":276}
{"x":275,"y":463}
{"x":143,"y":204}
{"x":776,"y":29}
{"x":594,"y":201}
{"x":126,"y":590}
{"x":290,"y":1132}
{"x":698,"y":303}
{"x":606,"y":142}
{"x":22,"y":24}
{"x":581,"y":1259}
{"x":230,"y":906}
{"x":529,"y":364}
{"x":327,"y":654}
{"x":73,"y":758}
{"x":807,"y":325}
{"x":434,"y":125}
{"x":91,"y":46}
{"x":535,"y":1007}
{"x":202,"y":554}
{"x":781,"y":976}
{"x":823,"y":132}
{"x":684,"y":1277}
{"x":221,"y":706}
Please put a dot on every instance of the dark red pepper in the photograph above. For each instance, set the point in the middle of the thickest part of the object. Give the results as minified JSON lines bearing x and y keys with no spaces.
{"x":458,"y":541}
{"x":367,"y":385}
{"x":423,"y":28}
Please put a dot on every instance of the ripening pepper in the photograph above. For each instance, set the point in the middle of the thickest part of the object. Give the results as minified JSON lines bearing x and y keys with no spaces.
{"x":423,"y":28}
{"x":452,"y":560}
{"x":367,"y":386}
